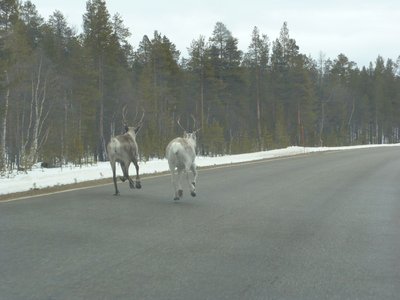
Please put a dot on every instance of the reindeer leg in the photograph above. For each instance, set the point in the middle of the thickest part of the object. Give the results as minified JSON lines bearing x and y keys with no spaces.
{"x":114,"y":178}
{"x":174,"y":177}
{"x":126,"y":175}
{"x":138,"y":185}
{"x":192,"y":184}
{"x":179,"y":186}
{"x":122,"y":178}
{"x":193,"y":167}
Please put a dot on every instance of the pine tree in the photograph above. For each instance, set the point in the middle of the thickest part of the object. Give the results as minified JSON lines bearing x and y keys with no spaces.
{"x":106,"y":40}
{"x":225,"y":59}
{"x":257,"y":60}
{"x":197,"y":66}
{"x":97,"y":37}
{"x":159,"y":83}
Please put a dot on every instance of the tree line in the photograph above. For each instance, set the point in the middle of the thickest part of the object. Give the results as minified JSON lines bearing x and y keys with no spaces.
{"x":62,"y":94}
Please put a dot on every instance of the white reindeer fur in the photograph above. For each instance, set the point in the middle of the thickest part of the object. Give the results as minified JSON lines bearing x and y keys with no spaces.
{"x":181,"y":155}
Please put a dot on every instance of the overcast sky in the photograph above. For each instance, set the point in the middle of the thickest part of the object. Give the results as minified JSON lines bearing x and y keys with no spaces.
{"x":360,"y":29}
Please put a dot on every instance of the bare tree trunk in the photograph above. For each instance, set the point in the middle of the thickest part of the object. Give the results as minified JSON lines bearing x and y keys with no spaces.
{"x":102,"y":144}
{"x":202,"y":99}
{"x":101,"y":128}
{"x":258,"y":104}
{"x":38,"y":115}
{"x":37,"y":111}
{"x":376,"y":129}
{"x":350,"y":119}
{"x":3,"y":150}
{"x":64,"y":149}
{"x":321,"y":128}
{"x":300,"y":138}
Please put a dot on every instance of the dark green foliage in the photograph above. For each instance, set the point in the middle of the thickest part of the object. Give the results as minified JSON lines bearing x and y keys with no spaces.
{"x":268,"y":97}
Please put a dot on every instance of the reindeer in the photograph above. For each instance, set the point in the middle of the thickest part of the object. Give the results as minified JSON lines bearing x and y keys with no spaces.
{"x":124,"y":149}
{"x":181,"y":154}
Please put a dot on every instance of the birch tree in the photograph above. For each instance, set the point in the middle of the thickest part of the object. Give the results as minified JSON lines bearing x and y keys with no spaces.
{"x":39,"y":111}
{"x":8,"y":16}
{"x":4,"y":111}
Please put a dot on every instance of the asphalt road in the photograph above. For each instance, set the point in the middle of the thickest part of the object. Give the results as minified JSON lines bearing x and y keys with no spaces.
{"x":319,"y":226}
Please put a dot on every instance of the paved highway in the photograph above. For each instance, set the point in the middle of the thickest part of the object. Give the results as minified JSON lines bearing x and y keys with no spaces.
{"x":319,"y":226}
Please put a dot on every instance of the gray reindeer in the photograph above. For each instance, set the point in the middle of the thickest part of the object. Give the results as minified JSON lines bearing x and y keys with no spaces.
{"x":124,"y":149}
{"x":181,"y":155}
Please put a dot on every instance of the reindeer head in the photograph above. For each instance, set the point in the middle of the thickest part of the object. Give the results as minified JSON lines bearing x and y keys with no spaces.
{"x":132,"y":129}
{"x":186,"y":134}
{"x":189,"y":135}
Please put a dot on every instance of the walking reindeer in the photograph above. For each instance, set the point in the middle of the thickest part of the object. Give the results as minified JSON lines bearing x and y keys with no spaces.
{"x":124,"y":150}
{"x":181,"y":154}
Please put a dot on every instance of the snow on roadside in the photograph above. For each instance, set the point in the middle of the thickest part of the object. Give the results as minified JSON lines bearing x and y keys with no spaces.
{"x":39,"y":178}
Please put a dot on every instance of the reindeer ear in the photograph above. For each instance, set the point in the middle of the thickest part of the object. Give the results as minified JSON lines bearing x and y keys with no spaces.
{"x":126,"y":128}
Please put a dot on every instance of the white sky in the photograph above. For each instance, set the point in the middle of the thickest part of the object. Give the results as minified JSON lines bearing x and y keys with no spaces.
{"x":360,"y":29}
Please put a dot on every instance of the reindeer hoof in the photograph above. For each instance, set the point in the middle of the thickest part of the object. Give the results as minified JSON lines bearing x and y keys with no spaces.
{"x":176,"y":198}
{"x":131,"y":185}
{"x":122,"y":178}
{"x":138,"y":185}
{"x":116,"y":194}
{"x":193,"y":193}
{"x":180,"y":193}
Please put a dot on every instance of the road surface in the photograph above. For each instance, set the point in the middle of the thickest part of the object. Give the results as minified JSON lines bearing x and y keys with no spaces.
{"x":318,"y":226}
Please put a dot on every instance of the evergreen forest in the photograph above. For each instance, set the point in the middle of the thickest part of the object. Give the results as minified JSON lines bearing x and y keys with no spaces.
{"x":64,"y":94}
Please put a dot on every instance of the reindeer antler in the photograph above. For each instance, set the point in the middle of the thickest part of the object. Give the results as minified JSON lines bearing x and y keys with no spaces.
{"x":124,"y":112}
{"x":194,"y":124}
{"x":141,"y":119}
{"x":179,"y":123}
